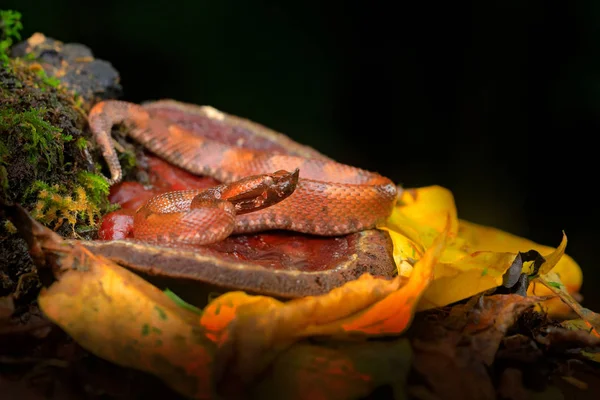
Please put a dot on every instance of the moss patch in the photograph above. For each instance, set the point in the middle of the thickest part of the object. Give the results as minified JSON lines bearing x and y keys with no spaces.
{"x":46,"y":164}
{"x":10,"y":29}
{"x":42,"y":141}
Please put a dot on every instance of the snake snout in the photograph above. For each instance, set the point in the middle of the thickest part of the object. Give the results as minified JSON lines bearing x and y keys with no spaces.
{"x":285,"y":182}
{"x":254,"y":193}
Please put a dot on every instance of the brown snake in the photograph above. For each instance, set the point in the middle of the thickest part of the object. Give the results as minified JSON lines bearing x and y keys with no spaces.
{"x":329,"y":198}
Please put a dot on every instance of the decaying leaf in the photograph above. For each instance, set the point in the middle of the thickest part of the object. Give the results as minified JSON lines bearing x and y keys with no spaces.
{"x":575,"y":382}
{"x":489,"y":318}
{"x":452,"y":353}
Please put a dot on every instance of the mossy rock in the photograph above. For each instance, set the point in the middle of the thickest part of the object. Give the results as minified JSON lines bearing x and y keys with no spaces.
{"x":47,"y":164}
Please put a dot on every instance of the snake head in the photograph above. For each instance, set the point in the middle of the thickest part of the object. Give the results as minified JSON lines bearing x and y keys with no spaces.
{"x":284,"y":183}
{"x":256,"y":192}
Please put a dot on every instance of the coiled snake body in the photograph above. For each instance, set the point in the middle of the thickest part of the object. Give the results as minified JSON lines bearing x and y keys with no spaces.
{"x":329,"y":198}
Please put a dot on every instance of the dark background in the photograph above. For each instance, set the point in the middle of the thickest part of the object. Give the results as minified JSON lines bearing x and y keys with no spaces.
{"x":496,"y":100}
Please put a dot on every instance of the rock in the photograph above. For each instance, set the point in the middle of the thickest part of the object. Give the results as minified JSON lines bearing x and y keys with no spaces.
{"x":74,"y":65}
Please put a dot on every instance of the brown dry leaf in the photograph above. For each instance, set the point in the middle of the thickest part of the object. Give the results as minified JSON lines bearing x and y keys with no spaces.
{"x":7,"y":307}
{"x":453,"y":354}
{"x":560,"y":339}
{"x":488,"y":320}
{"x":576,"y":334}
{"x":579,"y":384}
{"x":475,"y":258}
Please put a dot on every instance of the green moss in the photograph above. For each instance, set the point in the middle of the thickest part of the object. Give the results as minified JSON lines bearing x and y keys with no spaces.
{"x":127,"y":160}
{"x":44,"y":150}
{"x":50,"y":81}
{"x":10,"y":28}
{"x":81,"y":143}
{"x":44,"y":157}
{"x":96,"y":186}
{"x":42,"y":141}
{"x":78,"y":100}
{"x":32,"y":75}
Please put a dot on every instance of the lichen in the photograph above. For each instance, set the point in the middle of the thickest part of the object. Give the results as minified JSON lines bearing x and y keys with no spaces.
{"x":79,"y":206}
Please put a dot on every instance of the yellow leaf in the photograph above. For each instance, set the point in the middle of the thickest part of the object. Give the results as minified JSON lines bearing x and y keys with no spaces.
{"x":422,"y":214}
{"x":465,"y":277}
{"x":475,"y":258}
{"x":120,"y":317}
{"x":492,"y":239}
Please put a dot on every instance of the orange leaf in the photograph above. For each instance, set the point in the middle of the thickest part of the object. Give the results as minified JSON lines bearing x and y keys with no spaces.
{"x":264,"y":326}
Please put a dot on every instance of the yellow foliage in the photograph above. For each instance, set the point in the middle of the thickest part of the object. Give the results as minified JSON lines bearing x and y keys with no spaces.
{"x":475,"y":258}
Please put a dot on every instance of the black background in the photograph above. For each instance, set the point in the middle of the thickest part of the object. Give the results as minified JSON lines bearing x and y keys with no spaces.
{"x":496,"y":100}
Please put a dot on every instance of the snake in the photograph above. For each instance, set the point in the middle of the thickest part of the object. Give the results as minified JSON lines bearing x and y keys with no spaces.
{"x":296,"y":189}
